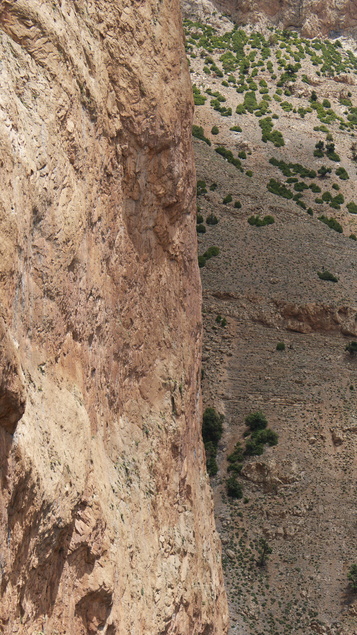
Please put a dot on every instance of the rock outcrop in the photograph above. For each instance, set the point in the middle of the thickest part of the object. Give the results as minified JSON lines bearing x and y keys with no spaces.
{"x":106,"y":517}
{"x":312,"y":17}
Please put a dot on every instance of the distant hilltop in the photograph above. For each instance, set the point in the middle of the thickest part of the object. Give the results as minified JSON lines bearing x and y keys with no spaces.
{"x":315,"y":18}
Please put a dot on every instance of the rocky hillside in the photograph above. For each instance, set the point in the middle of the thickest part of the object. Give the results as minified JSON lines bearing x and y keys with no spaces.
{"x":275,"y":126}
{"x":106,"y":518}
{"x":312,"y":17}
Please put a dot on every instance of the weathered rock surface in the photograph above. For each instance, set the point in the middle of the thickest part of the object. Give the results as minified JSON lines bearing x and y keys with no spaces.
{"x":105,"y":510}
{"x":313,"y":17}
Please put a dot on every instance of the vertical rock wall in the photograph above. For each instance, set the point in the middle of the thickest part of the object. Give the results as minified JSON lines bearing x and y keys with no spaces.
{"x":106,"y":520}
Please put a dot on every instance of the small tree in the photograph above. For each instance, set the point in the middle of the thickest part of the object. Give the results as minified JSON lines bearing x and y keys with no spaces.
{"x":352,"y":577}
{"x":212,"y":426}
{"x":263,"y":551}
{"x":256,"y":421}
{"x":234,"y":489}
{"x":313,"y":96}
{"x":324,"y":171}
{"x":352,"y":349}
{"x":354,"y":151}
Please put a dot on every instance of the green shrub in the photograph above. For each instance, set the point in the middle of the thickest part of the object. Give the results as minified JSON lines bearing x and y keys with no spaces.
{"x":213,"y":187}
{"x":351,"y":347}
{"x":256,"y":221}
{"x":237,"y":204}
{"x":250,"y":103}
{"x":300,"y":187}
{"x":215,"y":130}
{"x":199,"y":219}
{"x":211,"y":454}
{"x":242,"y":154}
{"x":290,"y":169}
{"x":353,"y":236}
{"x":212,"y":426}
{"x":228,"y":155}
{"x":236,"y":129}
{"x":201,"y":261}
{"x":280,"y":346}
{"x":342,"y":174}
{"x":352,"y":577}
{"x":264,"y":550}
{"x":301,"y":204}
{"x":200,"y":228}
{"x":198,"y":132}
{"x":252,"y":448}
{"x":198,"y":98}
{"x":279,"y":189}
{"x":201,"y":188}
{"x":339,"y":199}
{"x":266,"y":436}
{"x":229,"y":61}
{"x":237,"y":454}
{"x":286,"y":106}
{"x":315,"y":188}
{"x":234,"y":489}
{"x":268,"y":134}
{"x":352,"y":207}
{"x":223,"y":110}
{"x":211,"y":219}
{"x":236,"y":468}
{"x":227,"y":199}
{"x":327,"y":275}
{"x":256,"y":421}
{"x":211,"y":252}
{"x":332,"y":223}
{"x":324,"y":171}
{"x":333,"y":156}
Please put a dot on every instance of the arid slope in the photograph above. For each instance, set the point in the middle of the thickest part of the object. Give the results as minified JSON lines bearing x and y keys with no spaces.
{"x":299,"y":495}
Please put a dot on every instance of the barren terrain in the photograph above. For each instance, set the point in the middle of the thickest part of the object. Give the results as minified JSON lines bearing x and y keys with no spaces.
{"x":299,"y":495}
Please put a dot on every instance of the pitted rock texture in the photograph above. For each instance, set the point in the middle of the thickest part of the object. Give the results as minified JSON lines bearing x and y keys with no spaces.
{"x":106,"y":517}
{"x":313,"y":17}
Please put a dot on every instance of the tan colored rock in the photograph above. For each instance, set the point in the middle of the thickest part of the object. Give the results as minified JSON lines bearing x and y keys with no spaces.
{"x":316,"y":317}
{"x":270,"y":473}
{"x":337,"y":437}
{"x":106,"y":517}
{"x":12,"y":393}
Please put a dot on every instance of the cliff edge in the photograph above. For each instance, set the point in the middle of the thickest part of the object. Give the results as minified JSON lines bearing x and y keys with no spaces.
{"x":106,"y":517}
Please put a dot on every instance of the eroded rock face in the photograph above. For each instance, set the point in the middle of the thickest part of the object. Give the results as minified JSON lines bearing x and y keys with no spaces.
{"x":313,"y":17}
{"x":105,"y":510}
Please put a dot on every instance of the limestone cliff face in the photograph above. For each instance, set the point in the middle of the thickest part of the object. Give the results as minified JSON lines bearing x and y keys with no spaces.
{"x":105,"y":510}
{"x":313,"y":17}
